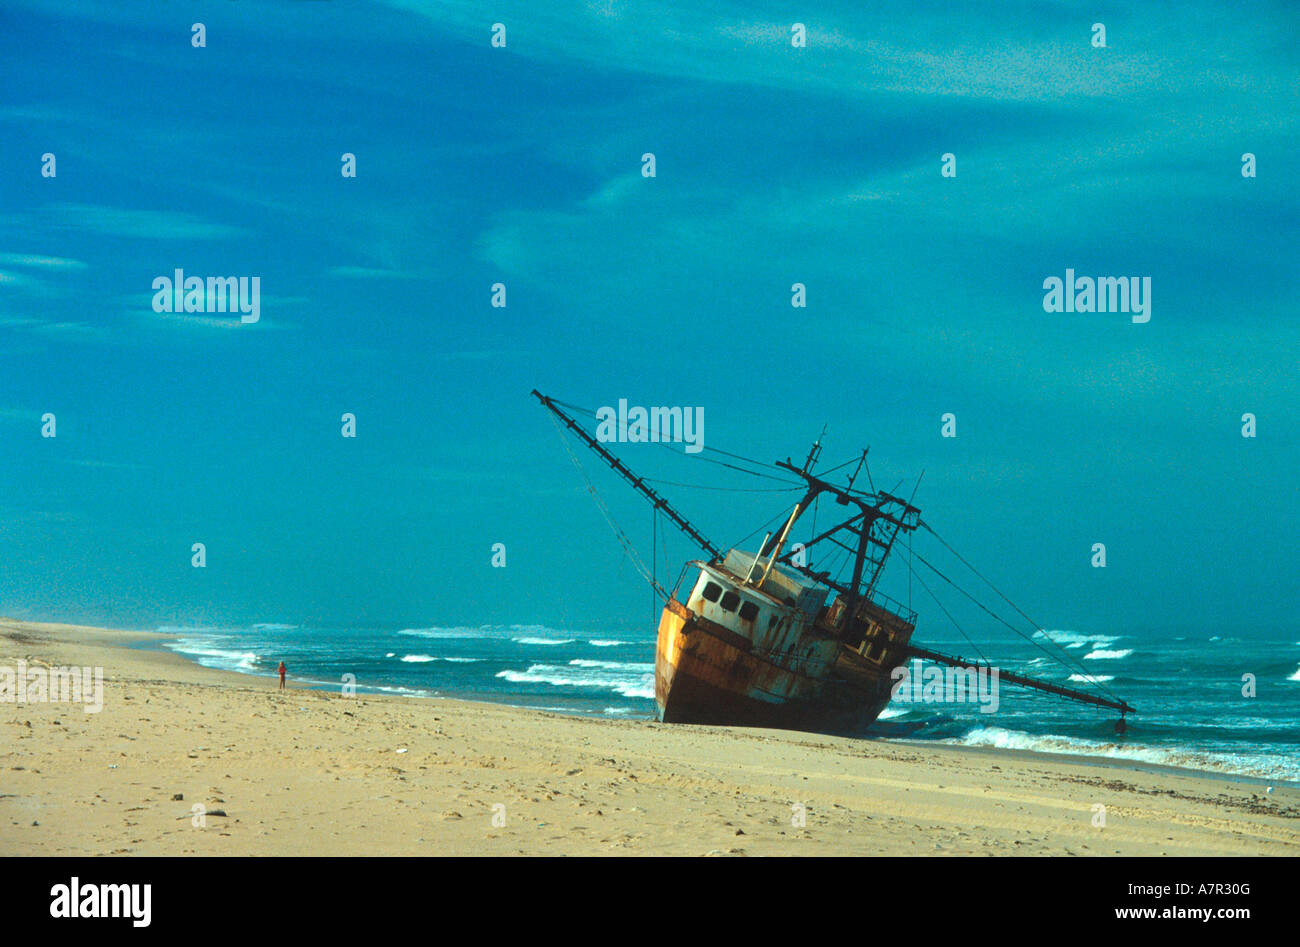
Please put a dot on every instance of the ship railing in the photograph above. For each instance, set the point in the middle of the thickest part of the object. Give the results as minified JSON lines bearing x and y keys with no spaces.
{"x":877,"y":598}
{"x":681,"y":575}
{"x":881,"y":600}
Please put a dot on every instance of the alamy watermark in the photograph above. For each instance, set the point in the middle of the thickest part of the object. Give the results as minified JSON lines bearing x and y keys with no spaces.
{"x":40,"y":685}
{"x":930,"y":684}
{"x":1131,"y":294}
{"x":181,"y":293}
{"x":132,"y":901}
{"x":638,"y":425}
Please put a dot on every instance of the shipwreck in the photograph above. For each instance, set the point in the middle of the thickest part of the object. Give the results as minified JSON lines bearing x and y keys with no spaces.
{"x":760,"y":638}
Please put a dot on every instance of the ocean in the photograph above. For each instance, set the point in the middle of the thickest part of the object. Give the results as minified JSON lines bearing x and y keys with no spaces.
{"x":1187,"y":688}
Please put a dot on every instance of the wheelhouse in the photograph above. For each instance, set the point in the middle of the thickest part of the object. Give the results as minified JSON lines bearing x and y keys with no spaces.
{"x":753,"y":598}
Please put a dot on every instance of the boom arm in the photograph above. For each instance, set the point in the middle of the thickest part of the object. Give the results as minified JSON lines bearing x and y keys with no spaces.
{"x":626,"y":473}
{"x":1030,"y":682}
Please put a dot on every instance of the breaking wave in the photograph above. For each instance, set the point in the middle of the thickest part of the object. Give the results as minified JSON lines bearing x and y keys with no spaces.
{"x":630,"y":680}
{"x":208,"y":656}
{"x":425,"y":658}
{"x":437,"y":632}
{"x":1259,"y":765}
{"x":1099,"y":654}
{"x":645,"y":667}
{"x":1075,"y":639}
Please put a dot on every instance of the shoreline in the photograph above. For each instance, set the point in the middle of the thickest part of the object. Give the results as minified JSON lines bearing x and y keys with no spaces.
{"x":364,"y":690}
{"x":154,"y":641}
{"x":372,"y":766}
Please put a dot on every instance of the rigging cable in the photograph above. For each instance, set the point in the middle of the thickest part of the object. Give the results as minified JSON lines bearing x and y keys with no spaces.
{"x":626,"y":543}
{"x":1037,"y":627}
{"x":959,"y":628}
{"x":1089,"y":678}
{"x":654,"y":561}
{"x":781,"y":514}
{"x":587,"y":412}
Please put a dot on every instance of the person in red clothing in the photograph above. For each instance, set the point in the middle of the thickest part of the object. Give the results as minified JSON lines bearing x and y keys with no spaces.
{"x":282,"y":670}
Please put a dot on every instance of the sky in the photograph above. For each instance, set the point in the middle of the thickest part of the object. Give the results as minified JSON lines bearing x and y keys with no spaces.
{"x":522,"y":165}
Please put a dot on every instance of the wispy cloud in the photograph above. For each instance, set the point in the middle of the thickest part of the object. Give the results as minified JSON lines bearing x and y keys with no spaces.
{"x":41,"y":262}
{"x":109,"y":465}
{"x":1018,"y":51}
{"x":368,"y":272}
{"x":19,"y":416}
{"x":128,"y":222}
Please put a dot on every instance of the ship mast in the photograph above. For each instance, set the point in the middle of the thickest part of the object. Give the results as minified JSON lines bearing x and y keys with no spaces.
{"x":874,"y":525}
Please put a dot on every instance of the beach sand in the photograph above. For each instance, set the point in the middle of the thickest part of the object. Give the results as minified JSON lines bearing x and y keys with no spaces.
{"x":315,"y":773}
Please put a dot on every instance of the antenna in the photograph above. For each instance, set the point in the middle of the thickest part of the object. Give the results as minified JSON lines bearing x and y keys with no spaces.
{"x":815,"y":451}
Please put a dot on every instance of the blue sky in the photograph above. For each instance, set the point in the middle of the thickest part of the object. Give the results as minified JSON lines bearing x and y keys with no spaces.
{"x":775,"y":165}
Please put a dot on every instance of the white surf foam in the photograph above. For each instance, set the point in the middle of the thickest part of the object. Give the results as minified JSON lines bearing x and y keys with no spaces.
{"x":402,"y":691}
{"x":1264,"y":766}
{"x":425,"y":658}
{"x":605,"y":643}
{"x":209,"y":656}
{"x":1076,"y":639}
{"x":1091,"y":678}
{"x":1100,"y":654}
{"x":440,"y":632}
{"x":542,"y":631}
{"x":640,"y":667}
{"x":520,"y":634}
{"x":627,"y":681}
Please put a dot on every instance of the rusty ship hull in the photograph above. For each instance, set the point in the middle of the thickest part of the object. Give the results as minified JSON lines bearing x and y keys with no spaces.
{"x":782,"y":666}
{"x":704,"y":675}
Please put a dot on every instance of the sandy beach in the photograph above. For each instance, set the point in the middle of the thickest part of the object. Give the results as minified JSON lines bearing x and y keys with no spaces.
{"x":316,"y":773}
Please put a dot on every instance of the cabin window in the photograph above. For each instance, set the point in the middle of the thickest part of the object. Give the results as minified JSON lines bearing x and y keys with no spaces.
{"x":748,"y":611}
{"x":730,"y":601}
{"x":711,"y":591}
